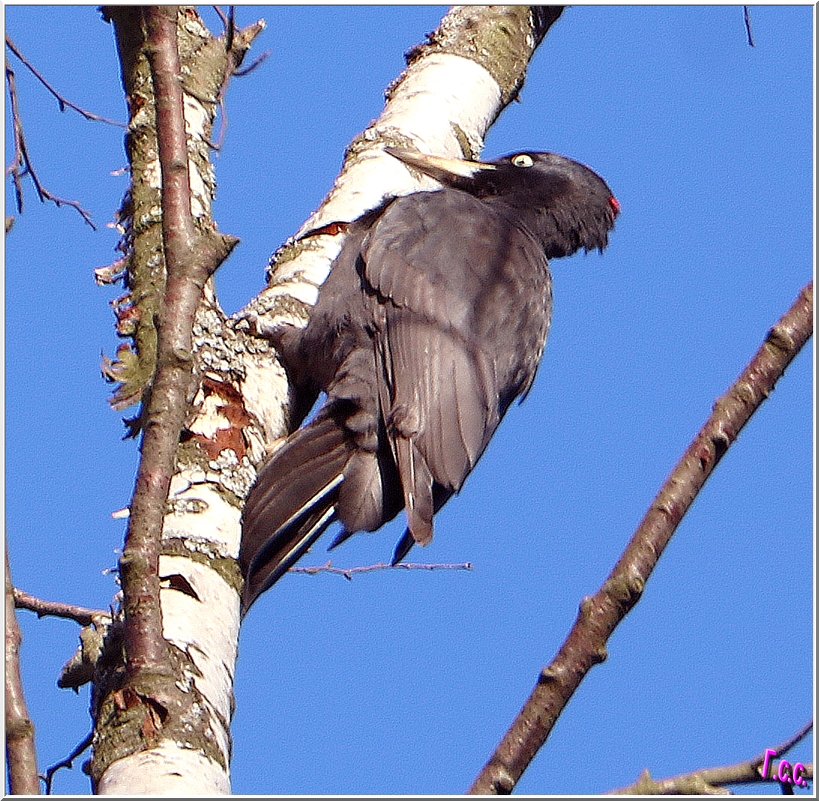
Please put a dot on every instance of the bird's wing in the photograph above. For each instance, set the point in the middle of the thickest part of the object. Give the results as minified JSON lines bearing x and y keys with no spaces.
{"x":433,"y":264}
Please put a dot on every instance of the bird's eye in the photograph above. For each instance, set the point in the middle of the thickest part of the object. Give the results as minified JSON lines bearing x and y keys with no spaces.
{"x":522,"y":160}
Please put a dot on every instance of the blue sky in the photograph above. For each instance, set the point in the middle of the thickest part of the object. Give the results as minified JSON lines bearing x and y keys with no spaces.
{"x":403,"y":682}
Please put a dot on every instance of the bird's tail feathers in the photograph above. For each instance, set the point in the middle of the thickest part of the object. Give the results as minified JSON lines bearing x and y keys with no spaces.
{"x":304,"y":475}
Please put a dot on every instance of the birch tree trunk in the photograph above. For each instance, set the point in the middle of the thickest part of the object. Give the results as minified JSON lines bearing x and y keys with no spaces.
{"x":170,"y":735}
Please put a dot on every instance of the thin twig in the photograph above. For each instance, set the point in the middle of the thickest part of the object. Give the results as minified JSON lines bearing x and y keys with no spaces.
{"x":17,"y":167}
{"x":222,"y":16}
{"x":61,"y":101}
{"x":797,"y":738}
{"x":230,"y":28}
{"x":600,"y":615}
{"x":68,"y":762}
{"x":237,"y":44}
{"x":254,"y":65}
{"x":709,"y":780}
{"x":22,"y":166}
{"x":349,"y":572}
{"x":746,"y":13}
{"x":79,"y":614}
{"x":20,"y":751}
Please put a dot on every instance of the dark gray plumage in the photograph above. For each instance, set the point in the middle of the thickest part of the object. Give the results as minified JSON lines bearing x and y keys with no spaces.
{"x":432,"y":321}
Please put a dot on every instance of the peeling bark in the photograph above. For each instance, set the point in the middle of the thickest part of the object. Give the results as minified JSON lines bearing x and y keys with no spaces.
{"x":163,"y":676}
{"x":148,"y":740}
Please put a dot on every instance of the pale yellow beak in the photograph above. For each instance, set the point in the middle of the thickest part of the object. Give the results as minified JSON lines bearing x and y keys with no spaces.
{"x":437,"y":167}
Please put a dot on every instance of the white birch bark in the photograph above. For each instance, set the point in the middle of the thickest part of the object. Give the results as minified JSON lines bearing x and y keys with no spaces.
{"x":443,"y":104}
{"x":201,"y":528}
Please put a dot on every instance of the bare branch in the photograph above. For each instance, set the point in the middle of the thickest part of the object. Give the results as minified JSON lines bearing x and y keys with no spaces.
{"x":21,"y":165}
{"x":746,"y":13}
{"x":20,"y":752}
{"x":168,"y":698}
{"x":252,"y":66}
{"x":139,"y":566}
{"x":68,"y":762}
{"x":230,"y":28}
{"x":237,"y":44}
{"x":222,"y":16}
{"x":190,"y":259}
{"x":61,"y":101}
{"x":349,"y":572}
{"x":791,"y":742}
{"x":600,"y":614}
{"x":18,"y":166}
{"x":711,"y":780}
{"x":42,"y":608}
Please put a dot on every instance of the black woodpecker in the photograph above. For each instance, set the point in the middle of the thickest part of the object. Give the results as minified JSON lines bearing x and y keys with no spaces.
{"x":432,"y":321}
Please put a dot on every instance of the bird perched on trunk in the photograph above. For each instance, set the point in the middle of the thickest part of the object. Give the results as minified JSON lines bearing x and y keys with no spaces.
{"x":432,"y":321}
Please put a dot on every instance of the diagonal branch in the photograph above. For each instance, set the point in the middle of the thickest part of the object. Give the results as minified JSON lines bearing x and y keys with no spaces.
{"x":746,"y":14}
{"x":710,"y":780}
{"x":600,"y":614}
{"x":61,"y":101}
{"x":18,"y":165}
{"x":20,"y":751}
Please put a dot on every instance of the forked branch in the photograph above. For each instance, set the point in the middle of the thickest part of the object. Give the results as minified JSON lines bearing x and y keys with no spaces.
{"x":21,"y":164}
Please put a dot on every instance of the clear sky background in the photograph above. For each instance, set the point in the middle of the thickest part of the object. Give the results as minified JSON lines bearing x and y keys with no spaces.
{"x":403,"y":682}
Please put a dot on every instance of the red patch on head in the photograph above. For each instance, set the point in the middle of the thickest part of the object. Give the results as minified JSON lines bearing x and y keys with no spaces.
{"x":615,"y":204}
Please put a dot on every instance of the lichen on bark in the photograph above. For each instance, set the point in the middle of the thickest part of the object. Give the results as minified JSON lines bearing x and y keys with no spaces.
{"x":204,"y":61}
{"x":163,"y":707}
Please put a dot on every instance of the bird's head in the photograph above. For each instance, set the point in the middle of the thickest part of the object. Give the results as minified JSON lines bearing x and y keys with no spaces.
{"x":564,"y":204}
